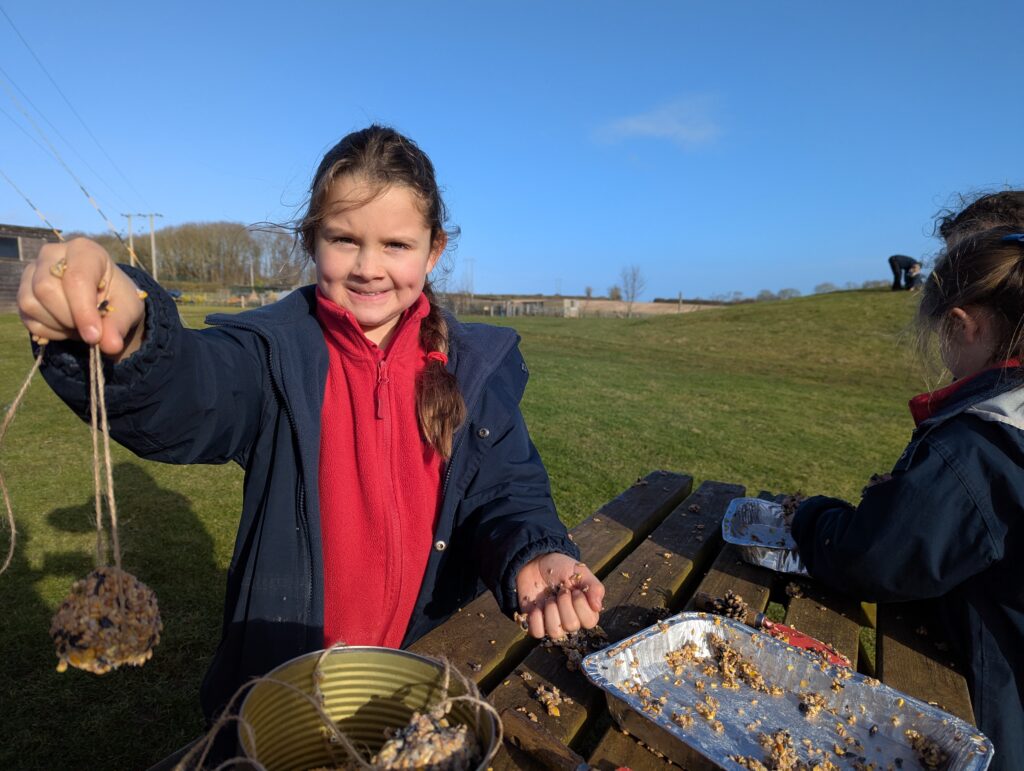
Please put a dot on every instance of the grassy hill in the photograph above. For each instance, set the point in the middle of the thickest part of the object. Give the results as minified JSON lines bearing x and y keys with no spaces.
{"x":807,"y":394}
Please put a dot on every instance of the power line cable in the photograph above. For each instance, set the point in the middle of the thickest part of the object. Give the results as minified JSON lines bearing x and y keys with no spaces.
{"x":81,"y":185}
{"x":24,"y":131}
{"x":62,"y":137}
{"x":34,"y":207}
{"x":72,"y":107}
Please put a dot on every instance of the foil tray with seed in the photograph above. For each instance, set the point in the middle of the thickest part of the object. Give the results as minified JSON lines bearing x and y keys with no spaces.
{"x":757,"y":529}
{"x":701,"y":718}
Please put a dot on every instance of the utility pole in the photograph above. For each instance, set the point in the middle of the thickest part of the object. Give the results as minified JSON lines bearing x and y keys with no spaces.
{"x":131,"y":240}
{"x":152,"y":238}
{"x":469,"y":275}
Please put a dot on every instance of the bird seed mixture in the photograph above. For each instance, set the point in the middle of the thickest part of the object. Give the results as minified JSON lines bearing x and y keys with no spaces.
{"x":109,"y":619}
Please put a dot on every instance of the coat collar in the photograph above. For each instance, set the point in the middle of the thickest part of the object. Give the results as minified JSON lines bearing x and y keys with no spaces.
{"x":936,"y":406}
{"x":344,"y":333}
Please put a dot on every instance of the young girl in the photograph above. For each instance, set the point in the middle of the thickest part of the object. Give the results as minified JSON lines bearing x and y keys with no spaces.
{"x":388,"y":466}
{"x":949,"y":522}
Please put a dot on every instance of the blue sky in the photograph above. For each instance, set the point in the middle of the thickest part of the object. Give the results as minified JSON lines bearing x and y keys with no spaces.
{"x":720,"y":147}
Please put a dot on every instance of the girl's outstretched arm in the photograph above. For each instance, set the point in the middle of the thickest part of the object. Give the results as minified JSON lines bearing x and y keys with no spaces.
{"x":184,"y":396}
{"x":914,"y":536}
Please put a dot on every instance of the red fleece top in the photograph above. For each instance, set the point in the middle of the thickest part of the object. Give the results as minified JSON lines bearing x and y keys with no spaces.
{"x":380,"y":482}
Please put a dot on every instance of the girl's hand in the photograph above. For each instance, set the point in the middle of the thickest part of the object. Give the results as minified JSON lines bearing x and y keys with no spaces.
{"x":558,"y":595}
{"x":61,"y":292}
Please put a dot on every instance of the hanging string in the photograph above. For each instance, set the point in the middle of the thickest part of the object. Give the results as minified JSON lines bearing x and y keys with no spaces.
{"x":8,"y":418}
{"x":102,"y":427}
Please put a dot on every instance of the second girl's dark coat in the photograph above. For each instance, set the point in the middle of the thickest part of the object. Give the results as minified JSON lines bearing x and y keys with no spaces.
{"x":250,"y":390}
{"x":947,"y":525}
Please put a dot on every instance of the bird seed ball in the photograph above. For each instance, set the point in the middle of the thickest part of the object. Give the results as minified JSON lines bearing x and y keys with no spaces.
{"x":109,"y":619}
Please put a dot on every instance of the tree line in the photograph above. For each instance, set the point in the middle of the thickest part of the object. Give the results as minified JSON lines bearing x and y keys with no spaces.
{"x":219,"y":253}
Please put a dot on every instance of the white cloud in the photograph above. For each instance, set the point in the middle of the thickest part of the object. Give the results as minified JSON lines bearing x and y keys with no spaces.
{"x":685,"y":122}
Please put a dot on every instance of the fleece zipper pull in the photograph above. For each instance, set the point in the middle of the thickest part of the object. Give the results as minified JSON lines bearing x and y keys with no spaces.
{"x":382,"y":381}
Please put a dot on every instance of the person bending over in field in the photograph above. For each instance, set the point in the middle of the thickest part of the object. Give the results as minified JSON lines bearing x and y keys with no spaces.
{"x":904,"y":269}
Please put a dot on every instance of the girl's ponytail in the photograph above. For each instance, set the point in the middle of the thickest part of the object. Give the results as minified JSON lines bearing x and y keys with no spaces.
{"x":439,"y":403}
{"x":985,"y":269}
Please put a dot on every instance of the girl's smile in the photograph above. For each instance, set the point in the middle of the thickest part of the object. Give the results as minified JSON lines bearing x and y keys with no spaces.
{"x":373,"y":252}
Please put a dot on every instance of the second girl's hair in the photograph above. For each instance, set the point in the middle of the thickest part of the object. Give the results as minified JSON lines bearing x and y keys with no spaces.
{"x":990,"y":210}
{"x":983,"y":270}
{"x":384,"y":158}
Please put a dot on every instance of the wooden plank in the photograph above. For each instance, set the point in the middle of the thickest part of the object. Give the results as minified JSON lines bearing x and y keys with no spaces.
{"x":638,"y":591}
{"x":730,"y":573}
{"x":915,"y":663}
{"x":536,"y":742}
{"x":825,"y":620}
{"x":671,"y":559}
{"x":483,"y":643}
{"x":627,"y":753}
{"x":606,"y":536}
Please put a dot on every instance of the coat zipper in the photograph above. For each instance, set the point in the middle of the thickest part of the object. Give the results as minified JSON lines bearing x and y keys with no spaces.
{"x":301,"y":498}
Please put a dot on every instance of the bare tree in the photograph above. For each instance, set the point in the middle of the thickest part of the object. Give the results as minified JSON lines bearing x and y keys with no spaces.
{"x":615,"y":292}
{"x":633,"y":284}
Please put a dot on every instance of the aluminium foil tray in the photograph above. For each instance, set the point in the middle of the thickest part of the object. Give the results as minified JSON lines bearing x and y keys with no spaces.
{"x":874,"y":717}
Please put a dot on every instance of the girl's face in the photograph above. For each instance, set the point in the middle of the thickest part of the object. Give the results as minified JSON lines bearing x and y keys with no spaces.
{"x":373,"y":258}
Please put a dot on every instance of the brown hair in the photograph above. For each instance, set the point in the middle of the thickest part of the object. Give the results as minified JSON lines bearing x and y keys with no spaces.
{"x":384,"y":158}
{"x":989,"y":210}
{"x":983,"y":270}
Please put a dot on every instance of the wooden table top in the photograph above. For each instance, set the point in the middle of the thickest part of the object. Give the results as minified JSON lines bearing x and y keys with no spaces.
{"x":655,"y":547}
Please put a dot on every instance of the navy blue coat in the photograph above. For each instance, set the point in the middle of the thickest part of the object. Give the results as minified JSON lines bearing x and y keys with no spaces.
{"x":250,"y":390}
{"x":950,"y":525}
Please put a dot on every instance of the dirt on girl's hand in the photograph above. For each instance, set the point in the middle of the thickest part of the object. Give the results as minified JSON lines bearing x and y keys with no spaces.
{"x":789,"y":506}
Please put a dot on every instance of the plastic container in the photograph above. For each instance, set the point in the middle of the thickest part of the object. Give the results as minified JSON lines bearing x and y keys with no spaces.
{"x":757,"y":529}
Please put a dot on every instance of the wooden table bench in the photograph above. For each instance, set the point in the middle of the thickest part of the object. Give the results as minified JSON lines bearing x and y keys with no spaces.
{"x":655,"y":547}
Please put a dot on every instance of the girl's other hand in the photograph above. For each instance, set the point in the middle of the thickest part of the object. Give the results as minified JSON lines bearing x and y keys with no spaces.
{"x":61,"y":292}
{"x":558,"y":595}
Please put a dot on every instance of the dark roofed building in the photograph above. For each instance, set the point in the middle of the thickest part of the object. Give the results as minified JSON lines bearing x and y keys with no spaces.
{"x":18,"y":245}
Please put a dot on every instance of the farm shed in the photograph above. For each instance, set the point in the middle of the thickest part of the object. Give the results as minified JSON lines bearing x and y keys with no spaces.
{"x":18,"y":245}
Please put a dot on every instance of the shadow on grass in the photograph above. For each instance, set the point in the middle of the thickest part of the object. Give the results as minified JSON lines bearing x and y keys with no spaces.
{"x":131,"y":717}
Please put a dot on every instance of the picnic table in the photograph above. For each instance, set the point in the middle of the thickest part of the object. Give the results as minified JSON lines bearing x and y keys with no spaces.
{"x":656,"y":546}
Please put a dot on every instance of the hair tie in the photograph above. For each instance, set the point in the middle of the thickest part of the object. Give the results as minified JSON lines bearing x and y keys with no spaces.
{"x":1014,"y":237}
{"x":438,"y":356}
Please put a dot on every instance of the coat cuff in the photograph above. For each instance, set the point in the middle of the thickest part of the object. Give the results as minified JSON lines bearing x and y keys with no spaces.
{"x":67,"y":361}
{"x":806,"y":518}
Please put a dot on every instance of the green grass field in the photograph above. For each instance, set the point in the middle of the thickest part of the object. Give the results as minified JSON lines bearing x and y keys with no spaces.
{"x":807,"y":394}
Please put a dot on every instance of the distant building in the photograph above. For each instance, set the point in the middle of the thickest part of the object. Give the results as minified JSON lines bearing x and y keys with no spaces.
{"x":18,"y":245}
{"x":557,"y":305}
